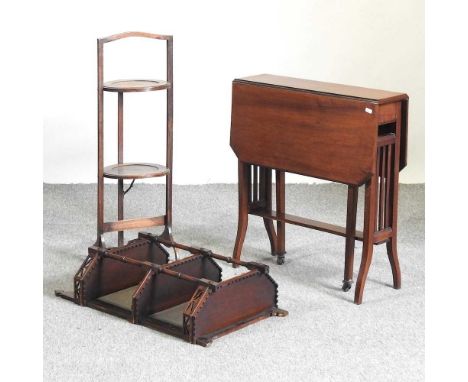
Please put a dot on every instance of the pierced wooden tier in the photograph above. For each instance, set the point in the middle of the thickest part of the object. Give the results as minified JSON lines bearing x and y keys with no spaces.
{"x":135,"y":85}
{"x":135,"y":170}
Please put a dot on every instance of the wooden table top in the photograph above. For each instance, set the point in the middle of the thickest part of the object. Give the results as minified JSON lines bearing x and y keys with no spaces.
{"x":319,"y":129}
{"x":371,"y":95}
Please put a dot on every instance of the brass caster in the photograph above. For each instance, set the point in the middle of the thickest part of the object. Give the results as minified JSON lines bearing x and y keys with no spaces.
{"x":346,"y":285}
{"x":279,"y":312}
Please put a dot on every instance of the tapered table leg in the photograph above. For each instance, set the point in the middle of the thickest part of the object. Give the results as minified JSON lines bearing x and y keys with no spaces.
{"x":265,"y":189}
{"x":353,"y":193}
{"x":244,"y":180}
{"x":370,"y":209}
{"x":280,"y":210}
{"x":392,"y":212}
{"x":394,"y":263}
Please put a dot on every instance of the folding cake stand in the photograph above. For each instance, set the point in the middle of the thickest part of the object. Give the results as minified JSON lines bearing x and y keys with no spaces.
{"x":121,"y":170}
{"x":187,"y":297}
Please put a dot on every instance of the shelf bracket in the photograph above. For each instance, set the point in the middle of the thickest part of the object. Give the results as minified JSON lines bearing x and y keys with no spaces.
{"x":129,"y":187}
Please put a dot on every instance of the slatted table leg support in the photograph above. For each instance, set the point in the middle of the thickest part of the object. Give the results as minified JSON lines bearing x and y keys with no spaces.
{"x":280,"y":225}
{"x":387,"y":199}
{"x":380,"y":211}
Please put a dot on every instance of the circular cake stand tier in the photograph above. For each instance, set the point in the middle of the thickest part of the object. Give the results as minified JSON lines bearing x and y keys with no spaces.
{"x":135,"y":85}
{"x":135,"y":171}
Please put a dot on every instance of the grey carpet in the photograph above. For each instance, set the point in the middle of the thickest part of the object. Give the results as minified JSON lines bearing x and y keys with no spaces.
{"x":325,"y":337}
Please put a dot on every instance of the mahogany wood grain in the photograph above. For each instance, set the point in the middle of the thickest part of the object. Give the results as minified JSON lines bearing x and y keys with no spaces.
{"x":388,"y":184}
{"x":305,"y":222}
{"x":387,"y":113}
{"x":341,"y":133}
{"x":370,"y":208}
{"x":280,"y":225}
{"x":266,"y":175}
{"x":168,"y":291}
{"x":203,"y":251}
{"x":350,"y":232}
{"x":235,"y":300}
{"x":339,"y":90}
{"x":108,"y":275}
{"x":380,"y":98}
{"x":298,"y":129}
{"x":403,"y":134}
{"x":126,"y":224}
{"x":142,"y":293}
{"x":381,"y":188}
{"x":383,"y":235}
{"x":392,"y":248}
{"x":185,"y":298}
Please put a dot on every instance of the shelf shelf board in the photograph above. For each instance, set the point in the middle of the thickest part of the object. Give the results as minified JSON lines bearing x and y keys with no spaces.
{"x":135,"y":171}
{"x":135,"y":85}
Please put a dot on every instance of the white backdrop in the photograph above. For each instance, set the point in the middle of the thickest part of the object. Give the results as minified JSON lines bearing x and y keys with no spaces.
{"x":371,"y":43}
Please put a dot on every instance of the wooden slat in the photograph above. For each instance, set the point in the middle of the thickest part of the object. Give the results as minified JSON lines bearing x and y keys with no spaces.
{"x":379,"y":236}
{"x":255,"y":184}
{"x":305,"y":222}
{"x":383,"y":235}
{"x":262,"y":186}
{"x":377,"y":175}
{"x":281,"y":209}
{"x":383,"y":151}
{"x":122,"y":225}
{"x":385,"y":140}
{"x":388,"y":183}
